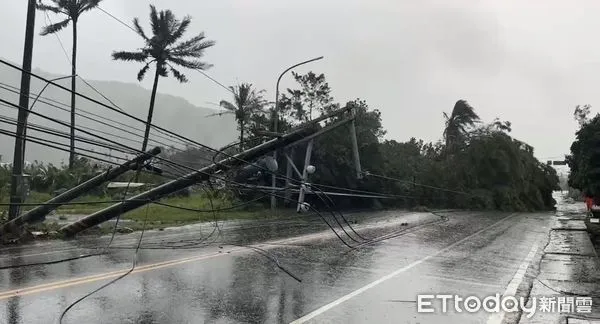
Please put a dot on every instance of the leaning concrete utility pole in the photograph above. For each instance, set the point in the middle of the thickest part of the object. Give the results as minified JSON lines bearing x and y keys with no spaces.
{"x":288,"y":175}
{"x":16,"y":184}
{"x":304,"y":174}
{"x":37,"y":214}
{"x":355,"y":153}
{"x":185,"y":181}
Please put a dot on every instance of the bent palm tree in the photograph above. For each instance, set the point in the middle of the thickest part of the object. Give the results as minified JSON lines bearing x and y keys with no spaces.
{"x":463,"y":117}
{"x":164,"y":50}
{"x":72,"y":9}
{"x":246,"y":101}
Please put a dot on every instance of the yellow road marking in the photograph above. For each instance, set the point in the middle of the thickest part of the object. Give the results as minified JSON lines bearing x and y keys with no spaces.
{"x":109,"y":275}
{"x":103,"y":276}
{"x":43,"y":253}
{"x":114,"y":274}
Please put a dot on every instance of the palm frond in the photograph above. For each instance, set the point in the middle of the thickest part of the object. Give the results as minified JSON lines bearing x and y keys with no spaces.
{"x":51,"y":29}
{"x":88,"y":5}
{"x":154,"y":21}
{"x":195,"y":51}
{"x":193,"y":64}
{"x":142,"y":72}
{"x":43,"y":7}
{"x":169,"y":24}
{"x":228,"y":105}
{"x":139,"y":29}
{"x":71,"y":7}
{"x":240,"y":95}
{"x":464,"y":112}
{"x":130,"y":56}
{"x":192,"y":45}
{"x":162,"y":70}
{"x":181,"y":29}
{"x":178,"y":75}
{"x":461,"y":118}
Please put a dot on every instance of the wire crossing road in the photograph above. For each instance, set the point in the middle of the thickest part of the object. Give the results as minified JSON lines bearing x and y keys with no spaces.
{"x":178,"y":280}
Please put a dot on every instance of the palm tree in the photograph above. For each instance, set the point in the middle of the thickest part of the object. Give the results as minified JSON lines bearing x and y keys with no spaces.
{"x":72,"y":9}
{"x":463,"y":117}
{"x":163,"y":49}
{"x":246,"y":102}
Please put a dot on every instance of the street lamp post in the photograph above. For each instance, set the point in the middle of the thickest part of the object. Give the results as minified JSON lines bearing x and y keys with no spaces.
{"x":276,"y":120}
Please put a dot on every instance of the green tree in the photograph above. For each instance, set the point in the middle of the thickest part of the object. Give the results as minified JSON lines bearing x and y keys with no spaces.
{"x":500,"y":172}
{"x":584,"y":160}
{"x":314,"y":95}
{"x":581,"y":114}
{"x":246,"y":101}
{"x":164,"y":49}
{"x":333,"y":150}
{"x":72,"y":9}
{"x":458,"y":123}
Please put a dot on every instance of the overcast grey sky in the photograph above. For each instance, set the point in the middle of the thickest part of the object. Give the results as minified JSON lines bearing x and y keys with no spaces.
{"x":529,"y":62}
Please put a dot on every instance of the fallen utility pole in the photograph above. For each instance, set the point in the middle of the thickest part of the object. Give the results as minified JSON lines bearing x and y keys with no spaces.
{"x":322,"y":131}
{"x":37,"y":214}
{"x":185,"y":181}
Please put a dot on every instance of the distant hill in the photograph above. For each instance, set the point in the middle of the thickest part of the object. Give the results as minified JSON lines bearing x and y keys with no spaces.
{"x":171,"y":112}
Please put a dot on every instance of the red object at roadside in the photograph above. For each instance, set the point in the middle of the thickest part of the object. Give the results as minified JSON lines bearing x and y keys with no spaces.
{"x":589,"y":202}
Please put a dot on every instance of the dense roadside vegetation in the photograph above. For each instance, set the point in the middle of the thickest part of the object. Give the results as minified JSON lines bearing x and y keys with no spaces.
{"x":478,"y":165}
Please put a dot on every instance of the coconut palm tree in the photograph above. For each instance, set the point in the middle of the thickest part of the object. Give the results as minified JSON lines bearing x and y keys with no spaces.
{"x":463,"y":117}
{"x":164,"y":49}
{"x":72,"y":10}
{"x":246,"y":101}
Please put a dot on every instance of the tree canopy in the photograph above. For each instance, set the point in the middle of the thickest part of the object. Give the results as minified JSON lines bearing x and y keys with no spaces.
{"x":487,"y":168}
{"x":584,"y":159}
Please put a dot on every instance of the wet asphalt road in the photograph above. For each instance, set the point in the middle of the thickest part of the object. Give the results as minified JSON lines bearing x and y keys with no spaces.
{"x":184,"y":277}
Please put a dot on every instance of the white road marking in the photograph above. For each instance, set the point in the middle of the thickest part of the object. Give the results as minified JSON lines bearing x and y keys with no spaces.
{"x":464,"y":281}
{"x":513,"y":285}
{"x":359,"y":291}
